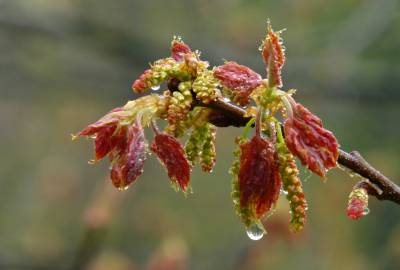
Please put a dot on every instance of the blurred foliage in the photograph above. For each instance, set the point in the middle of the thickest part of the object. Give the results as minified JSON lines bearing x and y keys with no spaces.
{"x":65,"y":63}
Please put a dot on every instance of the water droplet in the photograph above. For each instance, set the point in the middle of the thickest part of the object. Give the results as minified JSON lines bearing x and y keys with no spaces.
{"x":255,"y":231}
{"x":123,"y":188}
{"x":226,"y":99}
{"x":91,"y":162}
{"x":155,"y":88}
{"x":366,"y":211}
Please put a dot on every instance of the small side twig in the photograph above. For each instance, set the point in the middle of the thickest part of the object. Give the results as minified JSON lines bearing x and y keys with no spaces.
{"x":380,"y":186}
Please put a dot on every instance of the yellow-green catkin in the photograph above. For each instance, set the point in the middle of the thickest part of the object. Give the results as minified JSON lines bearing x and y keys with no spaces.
{"x":243,"y":212}
{"x":206,"y":87}
{"x":161,"y":69}
{"x":208,"y":154}
{"x":201,"y":146}
{"x":159,"y":72}
{"x":195,"y":143}
{"x":178,"y":109}
{"x":168,"y":67}
{"x":293,"y":188}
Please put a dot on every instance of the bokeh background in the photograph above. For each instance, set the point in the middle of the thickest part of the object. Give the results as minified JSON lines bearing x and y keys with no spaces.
{"x":65,"y":63}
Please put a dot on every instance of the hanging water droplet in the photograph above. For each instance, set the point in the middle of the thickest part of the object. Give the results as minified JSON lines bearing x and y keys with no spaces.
{"x":283,"y":192}
{"x":155,"y":88}
{"x":91,"y":162}
{"x":255,"y":231}
{"x":366,"y":211}
{"x":123,"y":188}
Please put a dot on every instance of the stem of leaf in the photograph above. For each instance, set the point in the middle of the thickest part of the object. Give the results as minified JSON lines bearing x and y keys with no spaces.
{"x":247,"y":128}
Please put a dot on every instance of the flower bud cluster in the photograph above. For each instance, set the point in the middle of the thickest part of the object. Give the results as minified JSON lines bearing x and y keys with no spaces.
{"x":159,"y":72}
{"x":206,"y":87}
{"x":358,"y":203}
{"x":178,"y":109}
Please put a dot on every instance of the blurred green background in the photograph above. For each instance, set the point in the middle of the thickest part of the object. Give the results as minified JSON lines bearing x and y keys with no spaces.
{"x":65,"y":63}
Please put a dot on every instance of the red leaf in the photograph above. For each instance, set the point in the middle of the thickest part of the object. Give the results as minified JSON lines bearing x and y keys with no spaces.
{"x":259,"y":179}
{"x":119,"y":142}
{"x":356,"y":209}
{"x":306,"y":138}
{"x":273,"y":54}
{"x":129,"y":164}
{"x":172,"y":156}
{"x":136,"y":151}
{"x":179,"y":49}
{"x":104,"y":122}
{"x":103,"y":142}
{"x":240,"y":79}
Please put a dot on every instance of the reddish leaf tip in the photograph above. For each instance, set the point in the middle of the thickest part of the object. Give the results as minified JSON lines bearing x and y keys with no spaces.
{"x":172,"y":155}
{"x":307,"y":139}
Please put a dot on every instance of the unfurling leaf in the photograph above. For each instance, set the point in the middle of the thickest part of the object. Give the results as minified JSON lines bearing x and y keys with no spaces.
{"x":273,"y":54}
{"x":179,"y":49}
{"x":104,"y":143}
{"x":107,"y":133}
{"x":110,"y":119}
{"x":241,"y":80}
{"x":306,"y":138}
{"x":171,"y":154}
{"x":128,"y":164}
{"x":259,"y":180}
